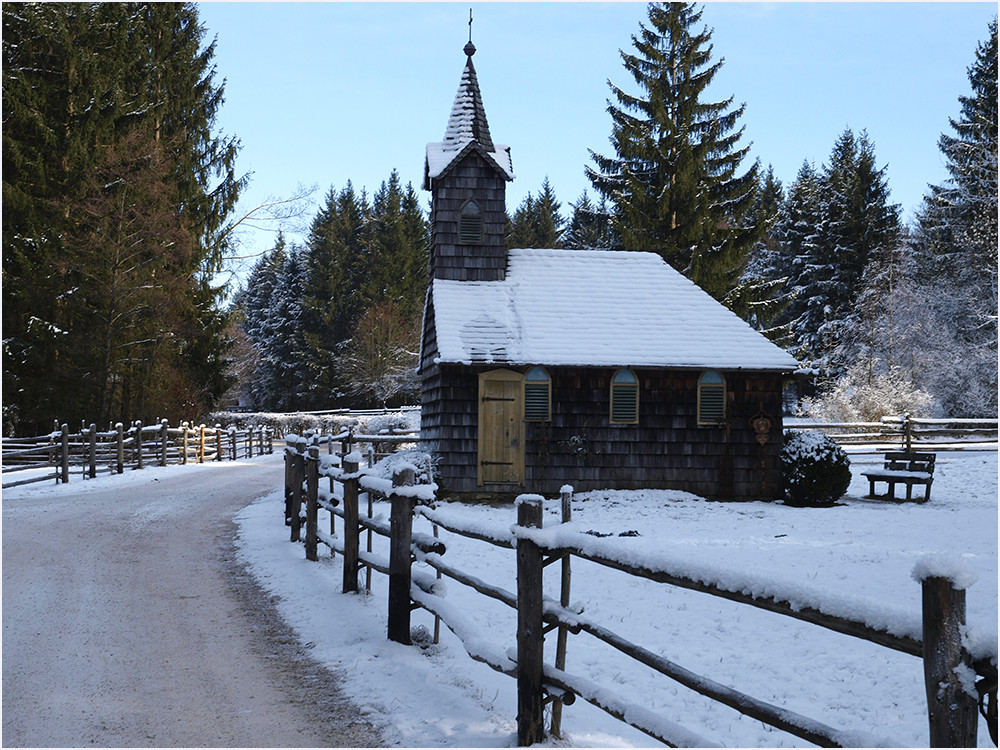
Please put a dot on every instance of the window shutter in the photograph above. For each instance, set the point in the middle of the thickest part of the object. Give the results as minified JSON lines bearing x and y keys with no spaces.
{"x":624,"y":397}
{"x":537,"y":388}
{"x":536,"y":401}
{"x":470,"y":225}
{"x":711,"y":398}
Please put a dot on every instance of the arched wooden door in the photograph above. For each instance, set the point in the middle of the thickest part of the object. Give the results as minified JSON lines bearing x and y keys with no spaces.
{"x":501,"y":439}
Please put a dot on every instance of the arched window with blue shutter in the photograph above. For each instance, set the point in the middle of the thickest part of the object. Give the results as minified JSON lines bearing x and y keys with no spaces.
{"x":711,"y":398}
{"x":470,"y":224}
{"x":537,"y":395}
{"x":624,"y":398}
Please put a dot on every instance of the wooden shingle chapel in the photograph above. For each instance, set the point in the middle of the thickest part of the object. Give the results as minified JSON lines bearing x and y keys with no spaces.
{"x":599,"y":369}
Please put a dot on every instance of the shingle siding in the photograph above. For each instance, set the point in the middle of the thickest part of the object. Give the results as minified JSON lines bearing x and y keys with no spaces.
{"x":579,"y":446}
{"x":472,"y":178}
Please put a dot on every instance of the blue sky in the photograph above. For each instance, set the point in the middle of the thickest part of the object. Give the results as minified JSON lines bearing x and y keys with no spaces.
{"x":320,"y":93}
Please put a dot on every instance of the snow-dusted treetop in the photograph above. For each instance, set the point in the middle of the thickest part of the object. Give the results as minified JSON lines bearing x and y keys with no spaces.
{"x":594,"y":308}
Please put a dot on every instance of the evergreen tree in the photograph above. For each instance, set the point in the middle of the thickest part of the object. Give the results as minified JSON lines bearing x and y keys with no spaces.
{"x":957,"y":232}
{"x":100,"y":88}
{"x":275,"y":323}
{"x":763,"y":283}
{"x":590,"y":226}
{"x":537,"y":222}
{"x":334,"y":271}
{"x":397,"y":250}
{"x":674,"y":178}
{"x":831,"y":226}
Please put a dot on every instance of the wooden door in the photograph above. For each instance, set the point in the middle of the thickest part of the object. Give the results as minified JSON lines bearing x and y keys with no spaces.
{"x":501,"y":443}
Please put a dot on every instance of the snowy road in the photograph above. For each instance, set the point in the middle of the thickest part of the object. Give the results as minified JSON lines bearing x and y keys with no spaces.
{"x":127,"y":621}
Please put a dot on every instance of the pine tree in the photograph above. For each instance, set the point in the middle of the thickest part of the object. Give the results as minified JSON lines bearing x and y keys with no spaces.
{"x":334,"y":272}
{"x":590,"y":226}
{"x":957,"y":230}
{"x":83,"y":84}
{"x":396,"y":250}
{"x":763,"y":281}
{"x":831,"y":226}
{"x":674,"y":179}
{"x":537,"y":222}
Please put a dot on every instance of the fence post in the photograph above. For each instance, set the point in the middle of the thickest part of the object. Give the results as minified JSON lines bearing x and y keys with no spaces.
{"x":530,"y":640}
{"x":298,"y":477}
{"x":565,"y":496}
{"x":352,"y":531}
{"x":92,"y":452}
{"x":184,"y":444}
{"x":218,"y":442}
{"x":312,"y":502}
{"x":907,"y":433}
{"x":120,"y":440}
{"x":400,"y":553}
{"x":164,"y":439}
{"x":138,"y":443}
{"x":232,"y":442}
{"x":288,"y":484}
{"x":951,"y":711}
{"x":249,"y":445}
{"x":64,"y":454}
{"x":201,"y":444}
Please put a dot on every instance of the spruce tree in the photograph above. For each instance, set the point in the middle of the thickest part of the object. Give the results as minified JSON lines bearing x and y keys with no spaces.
{"x":537,"y":222}
{"x":334,"y":271}
{"x":832,"y":225}
{"x":957,"y":232}
{"x":796,"y":232}
{"x":84,"y":84}
{"x":764,"y":286}
{"x":589,"y":225}
{"x":674,"y":179}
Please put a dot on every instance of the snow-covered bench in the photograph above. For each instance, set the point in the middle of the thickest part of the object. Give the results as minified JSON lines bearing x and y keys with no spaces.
{"x":903,"y":468}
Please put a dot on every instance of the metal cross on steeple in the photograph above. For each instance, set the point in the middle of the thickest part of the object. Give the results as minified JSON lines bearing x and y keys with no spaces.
{"x":470,"y":48}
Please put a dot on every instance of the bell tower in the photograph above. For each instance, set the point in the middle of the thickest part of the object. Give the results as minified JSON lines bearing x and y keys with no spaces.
{"x":467,"y":176}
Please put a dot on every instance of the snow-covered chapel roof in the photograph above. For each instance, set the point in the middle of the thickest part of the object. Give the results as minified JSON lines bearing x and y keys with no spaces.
{"x":594,"y":308}
{"x":467,"y":129}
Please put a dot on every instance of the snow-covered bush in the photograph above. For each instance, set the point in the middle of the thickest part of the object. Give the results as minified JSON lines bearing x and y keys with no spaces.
{"x":859,"y":398}
{"x":815,"y":470}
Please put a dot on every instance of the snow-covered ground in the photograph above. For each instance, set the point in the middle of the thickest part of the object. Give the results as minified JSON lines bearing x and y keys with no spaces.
{"x":863,"y":551}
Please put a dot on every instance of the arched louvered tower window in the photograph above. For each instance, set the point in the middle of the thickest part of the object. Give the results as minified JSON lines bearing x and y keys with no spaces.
{"x":470,"y":224}
{"x":711,"y":398}
{"x":537,"y":395}
{"x":624,"y":398}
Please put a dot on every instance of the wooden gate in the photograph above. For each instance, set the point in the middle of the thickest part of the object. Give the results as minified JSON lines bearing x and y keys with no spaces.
{"x":501,"y":443}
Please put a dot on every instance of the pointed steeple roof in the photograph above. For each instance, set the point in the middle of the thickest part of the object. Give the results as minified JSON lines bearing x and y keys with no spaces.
{"x":467,"y":130}
{"x":468,"y":118}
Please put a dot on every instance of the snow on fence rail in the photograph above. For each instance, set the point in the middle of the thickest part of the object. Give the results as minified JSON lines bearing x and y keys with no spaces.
{"x":938,"y":637}
{"x":909,"y":433}
{"x":51,"y":456}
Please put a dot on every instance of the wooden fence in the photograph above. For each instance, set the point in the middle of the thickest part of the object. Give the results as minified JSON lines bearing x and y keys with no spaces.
{"x":909,"y":433}
{"x":952,"y":712}
{"x":53,"y":455}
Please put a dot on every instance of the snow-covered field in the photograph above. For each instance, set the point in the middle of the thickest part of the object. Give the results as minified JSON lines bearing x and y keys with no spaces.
{"x":861,"y":551}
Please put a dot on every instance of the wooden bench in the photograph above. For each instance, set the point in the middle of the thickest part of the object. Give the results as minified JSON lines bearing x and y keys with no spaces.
{"x":903,"y":468}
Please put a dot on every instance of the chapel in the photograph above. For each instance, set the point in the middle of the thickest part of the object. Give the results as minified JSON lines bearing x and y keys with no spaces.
{"x":595,"y":368}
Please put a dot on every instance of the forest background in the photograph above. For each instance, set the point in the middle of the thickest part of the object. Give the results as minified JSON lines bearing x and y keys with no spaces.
{"x":119,"y":211}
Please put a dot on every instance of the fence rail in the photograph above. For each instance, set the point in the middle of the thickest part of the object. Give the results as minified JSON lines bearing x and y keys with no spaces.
{"x":936,"y":638}
{"x":909,"y":433}
{"x":93,"y":451}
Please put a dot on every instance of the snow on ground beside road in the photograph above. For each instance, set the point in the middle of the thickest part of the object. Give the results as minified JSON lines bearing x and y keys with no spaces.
{"x":434,"y":695}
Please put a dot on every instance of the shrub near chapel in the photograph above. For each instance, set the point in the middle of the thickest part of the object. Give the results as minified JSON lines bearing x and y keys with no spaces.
{"x":815,"y":470}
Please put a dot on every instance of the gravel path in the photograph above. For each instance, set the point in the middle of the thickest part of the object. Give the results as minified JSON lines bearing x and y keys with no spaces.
{"x":128,"y":623}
